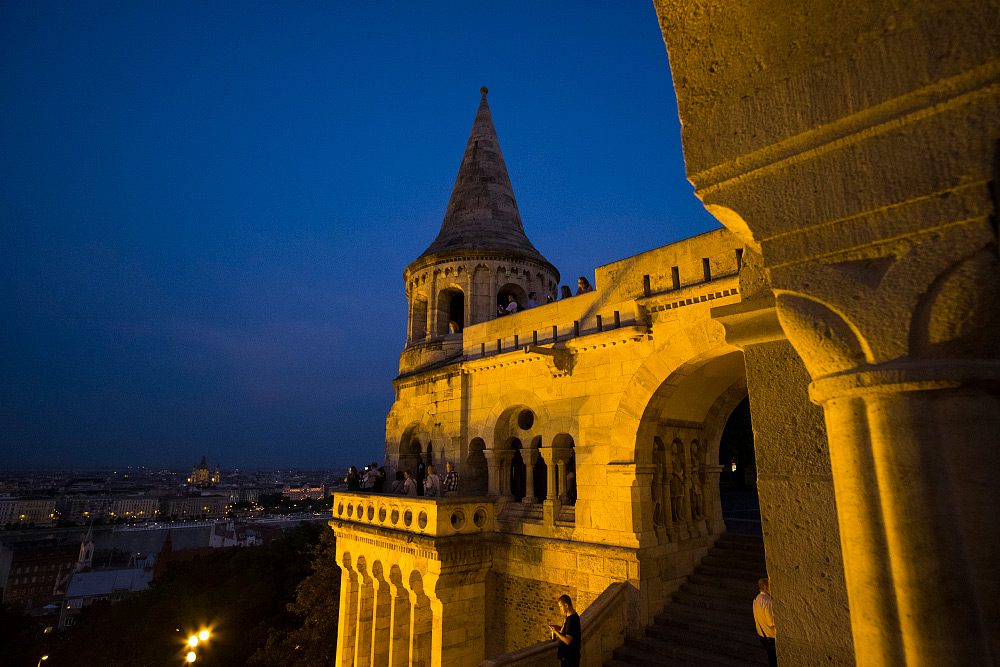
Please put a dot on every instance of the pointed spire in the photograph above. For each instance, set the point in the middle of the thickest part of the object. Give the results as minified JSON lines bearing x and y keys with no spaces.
{"x":482,"y":213}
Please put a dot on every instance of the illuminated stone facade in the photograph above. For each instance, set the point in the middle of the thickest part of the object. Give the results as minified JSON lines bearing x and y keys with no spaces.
{"x":586,"y":433}
{"x":852,"y":157}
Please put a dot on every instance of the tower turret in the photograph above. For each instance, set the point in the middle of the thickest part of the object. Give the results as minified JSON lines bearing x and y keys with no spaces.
{"x":480,"y":257}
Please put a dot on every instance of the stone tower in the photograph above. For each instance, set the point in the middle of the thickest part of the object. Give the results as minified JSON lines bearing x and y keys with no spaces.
{"x":480,"y":257}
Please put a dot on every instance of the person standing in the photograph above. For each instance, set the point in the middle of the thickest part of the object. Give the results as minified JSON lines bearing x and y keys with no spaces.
{"x":432,"y":484}
{"x":763,"y":616}
{"x":568,"y":635}
{"x":583,"y":286}
{"x":353,"y":479}
{"x":409,"y":484}
{"x":565,"y":293}
{"x":450,"y":486}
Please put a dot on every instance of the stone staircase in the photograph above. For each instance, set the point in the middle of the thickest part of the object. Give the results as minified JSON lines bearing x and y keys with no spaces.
{"x":709,"y":621}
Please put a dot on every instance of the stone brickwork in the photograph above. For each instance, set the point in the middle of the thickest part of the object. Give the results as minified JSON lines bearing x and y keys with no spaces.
{"x":520,"y":608}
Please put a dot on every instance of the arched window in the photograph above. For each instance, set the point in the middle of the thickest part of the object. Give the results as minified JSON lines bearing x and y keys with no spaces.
{"x":506,"y":292}
{"x":418,"y":318}
{"x":451,"y":311}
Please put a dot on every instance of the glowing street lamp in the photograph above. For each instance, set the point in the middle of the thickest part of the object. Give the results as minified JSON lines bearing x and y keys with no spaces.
{"x":42,"y":659}
{"x":192,"y":641}
{"x":204,"y":635}
{"x":191,"y":656}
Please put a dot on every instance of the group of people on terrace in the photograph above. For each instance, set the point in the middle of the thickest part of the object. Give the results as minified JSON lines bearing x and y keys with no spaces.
{"x":512,"y":306}
{"x":426,"y":482}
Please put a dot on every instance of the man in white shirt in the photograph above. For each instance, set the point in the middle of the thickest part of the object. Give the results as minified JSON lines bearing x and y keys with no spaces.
{"x":511,"y":305}
{"x":763,"y":616}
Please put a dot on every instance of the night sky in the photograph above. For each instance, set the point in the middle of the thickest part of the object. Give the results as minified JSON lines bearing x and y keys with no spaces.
{"x":206,"y":207}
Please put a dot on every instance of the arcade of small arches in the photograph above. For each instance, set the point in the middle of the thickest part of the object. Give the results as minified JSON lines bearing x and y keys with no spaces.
{"x":450,"y":297}
{"x":386,"y":616}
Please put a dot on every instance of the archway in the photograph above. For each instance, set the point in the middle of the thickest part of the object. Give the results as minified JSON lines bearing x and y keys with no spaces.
{"x":450,"y":311}
{"x":738,"y":480}
{"x":418,"y":318}
{"x":504,"y":294}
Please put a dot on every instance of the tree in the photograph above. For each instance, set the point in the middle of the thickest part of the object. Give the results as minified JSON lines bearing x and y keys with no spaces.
{"x":241,"y":593}
{"x":312,"y":641}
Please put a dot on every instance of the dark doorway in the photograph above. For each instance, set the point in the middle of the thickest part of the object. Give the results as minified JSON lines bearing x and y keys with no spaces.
{"x":738,"y":479}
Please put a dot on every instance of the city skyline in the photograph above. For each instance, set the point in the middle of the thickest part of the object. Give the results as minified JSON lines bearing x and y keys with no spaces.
{"x":206,"y":212}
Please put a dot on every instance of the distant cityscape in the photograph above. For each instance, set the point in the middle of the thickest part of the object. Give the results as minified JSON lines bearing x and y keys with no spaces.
{"x":69,"y":539}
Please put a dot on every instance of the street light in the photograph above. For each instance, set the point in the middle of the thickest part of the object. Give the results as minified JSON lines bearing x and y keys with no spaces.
{"x":204,"y":635}
{"x":191,"y":656}
{"x":192,"y":641}
{"x":42,"y":659}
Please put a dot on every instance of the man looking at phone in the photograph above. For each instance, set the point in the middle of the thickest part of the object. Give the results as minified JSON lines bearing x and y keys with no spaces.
{"x":568,"y":635}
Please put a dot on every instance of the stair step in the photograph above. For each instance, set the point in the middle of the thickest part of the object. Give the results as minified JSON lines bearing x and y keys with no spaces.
{"x":655,"y":652}
{"x":709,"y":620}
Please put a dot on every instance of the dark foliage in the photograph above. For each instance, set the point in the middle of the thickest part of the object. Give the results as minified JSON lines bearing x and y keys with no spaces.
{"x":241,"y":594}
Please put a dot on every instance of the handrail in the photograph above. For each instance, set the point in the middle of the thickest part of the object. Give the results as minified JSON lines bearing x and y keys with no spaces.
{"x":602,"y":624}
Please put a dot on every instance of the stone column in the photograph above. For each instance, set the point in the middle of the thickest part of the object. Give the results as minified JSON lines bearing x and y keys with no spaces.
{"x":796,"y":483}
{"x":399,"y":623}
{"x":561,"y":460}
{"x":547,"y":453}
{"x":365,"y":607}
{"x":421,"y":651}
{"x":492,"y":471}
{"x":529,"y":475}
{"x":382,"y":621}
{"x":347,"y":626}
{"x":458,"y":604}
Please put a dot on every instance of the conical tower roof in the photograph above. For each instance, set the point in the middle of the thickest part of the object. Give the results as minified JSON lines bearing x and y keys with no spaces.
{"x":482,"y":212}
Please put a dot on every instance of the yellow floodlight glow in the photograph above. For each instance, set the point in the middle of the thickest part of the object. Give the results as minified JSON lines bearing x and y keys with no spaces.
{"x":191,"y":656}
{"x":204,"y":635}
{"x":192,"y":641}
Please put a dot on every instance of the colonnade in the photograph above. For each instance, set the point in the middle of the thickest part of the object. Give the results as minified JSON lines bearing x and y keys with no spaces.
{"x":392,"y":619}
{"x":560,"y":474}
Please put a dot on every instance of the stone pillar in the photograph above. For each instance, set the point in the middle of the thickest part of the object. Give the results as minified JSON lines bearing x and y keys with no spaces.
{"x":347,"y":626}
{"x":547,"y":453}
{"x":922,"y":440}
{"x":795,"y":484}
{"x":561,"y":460}
{"x":421,"y":652}
{"x":399,"y":623}
{"x":458,"y":604}
{"x":864,"y":172}
{"x":529,"y":476}
{"x":365,"y":607}
{"x":492,"y":471}
{"x":712,"y":500}
{"x":382,"y":620}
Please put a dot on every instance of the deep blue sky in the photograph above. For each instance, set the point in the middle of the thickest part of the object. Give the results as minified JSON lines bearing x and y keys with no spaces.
{"x":206,"y":207}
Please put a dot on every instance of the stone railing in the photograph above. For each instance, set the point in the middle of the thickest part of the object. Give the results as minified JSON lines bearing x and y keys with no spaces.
{"x":603,"y":626}
{"x":437,"y":517}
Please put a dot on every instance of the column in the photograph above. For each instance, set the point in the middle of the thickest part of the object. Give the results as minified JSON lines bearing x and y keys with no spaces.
{"x":458,"y":604}
{"x":382,"y":620}
{"x":420,"y":630}
{"x":492,"y":471}
{"x":529,"y":475}
{"x":347,"y":627}
{"x":399,"y":623}
{"x":365,"y":607}
{"x":547,"y":454}
{"x":561,"y":460}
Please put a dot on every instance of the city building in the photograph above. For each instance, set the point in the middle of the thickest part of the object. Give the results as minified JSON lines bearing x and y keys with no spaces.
{"x":305,"y":492}
{"x":202,"y":477}
{"x":35,"y":511}
{"x":181,"y":507}
{"x":111,"y":586}
{"x":30,"y":570}
{"x":7,"y":507}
